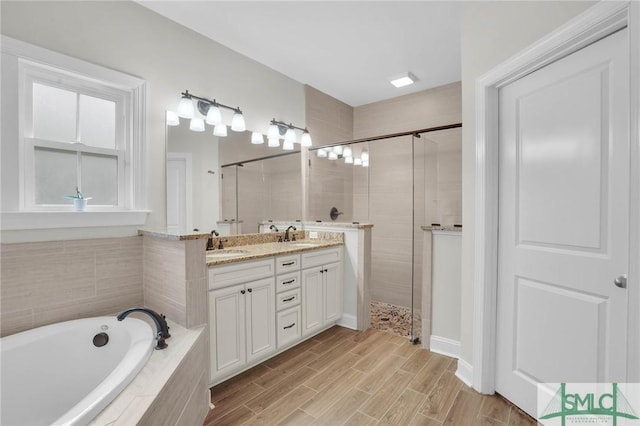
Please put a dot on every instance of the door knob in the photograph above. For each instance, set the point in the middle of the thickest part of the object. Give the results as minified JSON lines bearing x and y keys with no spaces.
{"x":621,"y":281}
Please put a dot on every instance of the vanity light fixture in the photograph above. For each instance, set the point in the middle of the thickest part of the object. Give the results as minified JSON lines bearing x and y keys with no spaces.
{"x":322,"y":153}
{"x":281,"y":130}
{"x":172,"y":119}
{"x":357,"y":162}
{"x":404,"y":79}
{"x":211,"y":110}
{"x":338,"y":149}
{"x":365,"y":156}
{"x":257,"y":138}
{"x":333,"y":155}
{"x":347,"y":152}
{"x":273,"y":142}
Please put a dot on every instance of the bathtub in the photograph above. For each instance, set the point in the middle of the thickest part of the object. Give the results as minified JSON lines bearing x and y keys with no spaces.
{"x":57,"y":375}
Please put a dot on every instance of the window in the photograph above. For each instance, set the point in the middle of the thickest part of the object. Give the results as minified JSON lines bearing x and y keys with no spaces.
{"x":74,"y":136}
{"x":80,"y":126}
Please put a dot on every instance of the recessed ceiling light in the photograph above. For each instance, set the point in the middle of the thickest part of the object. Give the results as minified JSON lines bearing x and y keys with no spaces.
{"x":403,"y":79}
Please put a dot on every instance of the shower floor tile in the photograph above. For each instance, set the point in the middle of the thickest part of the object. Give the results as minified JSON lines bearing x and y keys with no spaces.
{"x":395,"y":319}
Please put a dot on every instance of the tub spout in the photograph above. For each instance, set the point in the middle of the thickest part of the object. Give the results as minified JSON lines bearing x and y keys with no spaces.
{"x":160,"y":321}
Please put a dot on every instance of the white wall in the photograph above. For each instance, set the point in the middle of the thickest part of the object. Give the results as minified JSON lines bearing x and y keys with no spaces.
{"x":491,"y":33}
{"x":130,"y":38}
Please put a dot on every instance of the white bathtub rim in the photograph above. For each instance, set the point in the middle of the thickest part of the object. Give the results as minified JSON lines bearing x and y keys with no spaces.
{"x":101,"y":396}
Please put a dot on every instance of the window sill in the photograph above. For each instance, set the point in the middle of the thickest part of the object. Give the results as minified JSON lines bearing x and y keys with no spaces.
{"x":10,"y":221}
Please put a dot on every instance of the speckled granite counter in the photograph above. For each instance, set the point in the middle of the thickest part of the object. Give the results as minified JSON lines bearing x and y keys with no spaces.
{"x":451,"y":228}
{"x":356,"y":225}
{"x":257,"y":251}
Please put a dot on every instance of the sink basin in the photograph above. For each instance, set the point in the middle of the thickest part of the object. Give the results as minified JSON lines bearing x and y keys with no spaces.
{"x":225,"y":254}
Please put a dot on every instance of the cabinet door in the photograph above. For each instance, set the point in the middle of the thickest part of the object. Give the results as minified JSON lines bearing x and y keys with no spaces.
{"x":227,"y":330}
{"x":261,"y":318}
{"x":312,"y":310}
{"x":332,"y":293}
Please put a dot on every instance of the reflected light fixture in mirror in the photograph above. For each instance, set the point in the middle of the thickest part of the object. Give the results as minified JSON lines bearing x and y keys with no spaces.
{"x":257,"y":138}
{"x":280,"y":130}
{"x":322,"y":153}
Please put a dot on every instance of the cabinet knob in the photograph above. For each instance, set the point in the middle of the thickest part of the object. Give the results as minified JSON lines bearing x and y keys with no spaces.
{"x":242,"y":291}
{"x":249,"y":290}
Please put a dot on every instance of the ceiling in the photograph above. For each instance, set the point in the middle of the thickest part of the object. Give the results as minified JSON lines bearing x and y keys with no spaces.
{"x":346,"y":49}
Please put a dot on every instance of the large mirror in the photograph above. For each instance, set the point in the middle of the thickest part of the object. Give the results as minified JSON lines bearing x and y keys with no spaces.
{"x":228,"y":183}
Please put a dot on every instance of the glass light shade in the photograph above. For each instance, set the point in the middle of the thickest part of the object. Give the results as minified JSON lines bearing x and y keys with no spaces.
{"x":365,"y":163}
{"x":214,"y":116}
{"x":347,"y":152}
{"x":348,"y":160}
{"x":365,"y":156}
{"x":237,"y":122}
{"x":306,"y":139}
{"x":287,"y":145}
{"x":338,"y":149}
{"x":357,"y":162}
{"x":333,"y":156}
{"x":257,"y":138}
{"x":273,"y":132}
{"x":197,"y":124}
{"x":185,"y":108}
{"x":273,"y":142}
{"x":172,"y":119}
{"x":290,"y":136}
{"x":220,"y":130}
{"x":322,"y":153}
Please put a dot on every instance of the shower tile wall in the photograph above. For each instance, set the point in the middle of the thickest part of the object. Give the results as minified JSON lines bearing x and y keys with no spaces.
{"x":48,"y":282}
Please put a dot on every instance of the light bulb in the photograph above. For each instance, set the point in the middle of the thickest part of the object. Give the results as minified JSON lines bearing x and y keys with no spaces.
{"x":273,"y":142}
{"x":290,"y":136}
{"x":287,"y":145}
{"x":214,"y":117}
{"x":306,"y":139}
{"x":237,"y":122}
{"x":347,"y":152}
{"x":197,"y":124}
{"x":365,"y":156}
{"x":333,"y":156}
{"x":365,"y":163}
{"x":273,"y":132}
{"x":357,"y":162}
{"x":185,"y":108}
{"x":257,"y":138}
{"x":348,"y":160}
{"x":322,"y":153}
{"x":220,"y":130}
{"x":338,"y":149}
{"x":172,"y":119}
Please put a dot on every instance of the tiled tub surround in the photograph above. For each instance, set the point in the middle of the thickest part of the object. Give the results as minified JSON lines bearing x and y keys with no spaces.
{"x":49,"y":282}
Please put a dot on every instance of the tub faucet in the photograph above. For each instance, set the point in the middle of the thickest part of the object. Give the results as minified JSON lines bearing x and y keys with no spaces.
{"x":286,"y":234}
{"x":160,"y":320}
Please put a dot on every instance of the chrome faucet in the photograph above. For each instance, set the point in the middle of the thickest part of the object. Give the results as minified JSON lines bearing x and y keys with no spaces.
{"x":210,"y":245}
{"x":286,"y":234}
{"x":160,"y":321}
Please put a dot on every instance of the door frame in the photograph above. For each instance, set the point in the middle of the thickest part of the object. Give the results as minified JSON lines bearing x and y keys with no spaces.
{"x":184,"y":157}
{"x":602,"y":19}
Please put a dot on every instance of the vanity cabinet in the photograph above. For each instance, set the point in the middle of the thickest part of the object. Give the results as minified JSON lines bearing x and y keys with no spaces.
{"x":242,"y":321}
{"x":321,"y":289}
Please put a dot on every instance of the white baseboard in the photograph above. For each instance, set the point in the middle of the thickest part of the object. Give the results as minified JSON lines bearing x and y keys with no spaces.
{"x":348,"y":321}
{"x":465,"y":372}
{"x":444,"y":346}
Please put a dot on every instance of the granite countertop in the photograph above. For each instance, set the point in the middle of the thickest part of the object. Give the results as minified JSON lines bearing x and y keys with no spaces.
{"x":451,"y":228}
{"x":258,"y":251}
{"x":355,"y":225}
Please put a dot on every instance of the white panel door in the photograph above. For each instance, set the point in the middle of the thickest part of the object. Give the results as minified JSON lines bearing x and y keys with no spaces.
{"x":332,"y":293}
{"x":312,"y":298}
{"x":227,"y":334}
{"x":261,"y":318}
{"x":178,"y":192}
{"x":564,"y":223}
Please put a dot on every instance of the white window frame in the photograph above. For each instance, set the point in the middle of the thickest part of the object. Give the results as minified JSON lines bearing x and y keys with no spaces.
{"x":36,"y":64}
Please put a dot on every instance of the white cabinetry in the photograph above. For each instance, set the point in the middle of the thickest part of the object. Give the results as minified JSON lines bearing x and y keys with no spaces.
{"x":241,"y":318}
{"x":321,"y":289}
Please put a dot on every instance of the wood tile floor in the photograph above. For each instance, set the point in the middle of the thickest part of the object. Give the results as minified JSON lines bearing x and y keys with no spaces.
{"x":347,"y":377}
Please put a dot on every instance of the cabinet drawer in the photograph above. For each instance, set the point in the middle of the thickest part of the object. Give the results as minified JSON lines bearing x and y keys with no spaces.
{"x":287,"y":282}
{"x":288,"y":326}
{"x":288,"y":299}
{"x":321,"y":257}
{"x":287,"y":263}
{"x":235,"y":273}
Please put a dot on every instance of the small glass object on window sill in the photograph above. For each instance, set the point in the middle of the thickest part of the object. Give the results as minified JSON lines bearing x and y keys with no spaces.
{"x":79,"y":201}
